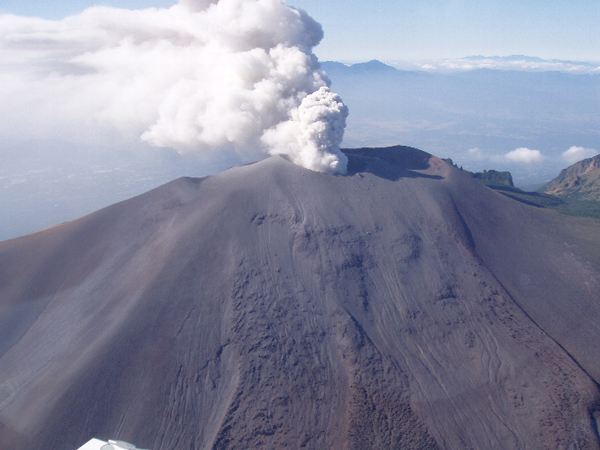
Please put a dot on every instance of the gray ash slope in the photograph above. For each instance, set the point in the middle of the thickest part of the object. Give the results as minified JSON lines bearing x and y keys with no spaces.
{"x":404,"y":306}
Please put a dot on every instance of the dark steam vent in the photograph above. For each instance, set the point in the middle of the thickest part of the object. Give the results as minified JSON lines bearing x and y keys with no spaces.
{"x":404,"y":306}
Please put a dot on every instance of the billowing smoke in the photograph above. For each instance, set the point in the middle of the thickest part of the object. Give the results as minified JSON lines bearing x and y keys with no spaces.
{"x":200,"y":76}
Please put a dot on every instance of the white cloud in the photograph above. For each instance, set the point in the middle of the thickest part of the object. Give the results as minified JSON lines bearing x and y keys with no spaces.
{"x":524,"y":155}
{"x":521,"y":63}
{"x":199,"y":76}
{"x":575,"y":154}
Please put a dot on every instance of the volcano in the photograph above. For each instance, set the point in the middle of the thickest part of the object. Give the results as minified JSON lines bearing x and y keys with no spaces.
{"x":402,"y":306}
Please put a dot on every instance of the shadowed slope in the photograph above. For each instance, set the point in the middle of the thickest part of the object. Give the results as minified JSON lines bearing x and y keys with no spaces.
{"x":405,"y":306}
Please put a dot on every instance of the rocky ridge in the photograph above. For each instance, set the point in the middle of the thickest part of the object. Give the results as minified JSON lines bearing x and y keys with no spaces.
{"x":580,"y":181}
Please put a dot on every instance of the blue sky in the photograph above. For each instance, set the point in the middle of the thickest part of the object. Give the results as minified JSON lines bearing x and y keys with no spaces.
{"x":428,"y":29}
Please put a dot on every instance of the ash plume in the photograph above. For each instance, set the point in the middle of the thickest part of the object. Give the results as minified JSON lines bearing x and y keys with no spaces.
{"x":200,"y":76}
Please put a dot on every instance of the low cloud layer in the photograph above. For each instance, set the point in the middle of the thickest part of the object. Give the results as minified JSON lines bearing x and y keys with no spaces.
{"x":519,"y":63}
{"x":200,"y":76}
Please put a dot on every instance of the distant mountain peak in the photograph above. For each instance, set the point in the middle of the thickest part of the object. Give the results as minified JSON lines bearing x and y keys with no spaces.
{"x":370,"y":67}
{"x":376,"y":63}
{"x":374,"y":66}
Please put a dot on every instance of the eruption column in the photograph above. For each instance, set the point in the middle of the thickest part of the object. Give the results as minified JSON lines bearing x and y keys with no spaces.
{"x":200,"y":76}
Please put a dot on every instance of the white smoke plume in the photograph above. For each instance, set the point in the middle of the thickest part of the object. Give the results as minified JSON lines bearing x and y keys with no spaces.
{"x":200,"y":76}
